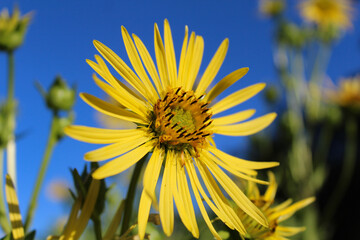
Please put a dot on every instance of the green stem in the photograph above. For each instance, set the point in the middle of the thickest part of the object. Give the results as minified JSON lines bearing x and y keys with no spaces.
{"x":45,"y":162}
{"x":347,"y":170}
{"x":11,"y":146}
{"x":323,"y":146}
{"x":130,"y":195}
{"x":97,"y":228}
{"x":4,"y":221}
{"x":11,"y":79}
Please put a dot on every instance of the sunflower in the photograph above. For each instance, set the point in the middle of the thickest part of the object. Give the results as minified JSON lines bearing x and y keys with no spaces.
{"x":327,"y":13}
{"x":274,"y":214}
{"x":175,"y":123}
{"x":347,"y":94}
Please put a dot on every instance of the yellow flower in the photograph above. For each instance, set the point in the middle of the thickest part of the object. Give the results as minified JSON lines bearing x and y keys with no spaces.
{"x":274,"y":214}
{"x":175,"y":121}
{"x":271,"y":8}
{"x":327,"y":13}
{"x":347,"y":94}
{"x":12,"y":29}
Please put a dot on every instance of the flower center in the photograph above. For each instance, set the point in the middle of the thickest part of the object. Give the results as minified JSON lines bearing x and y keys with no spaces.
{"x":181,"y":120}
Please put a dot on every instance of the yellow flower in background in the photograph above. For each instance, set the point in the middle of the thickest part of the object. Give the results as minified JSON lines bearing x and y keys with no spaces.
{"x":12,"y":29}
{"x":327,"y":13}
{"x":175,"y":122}
{"x":347,"y":94}
{"x":271,"y":8}
{"x":274,"y":214}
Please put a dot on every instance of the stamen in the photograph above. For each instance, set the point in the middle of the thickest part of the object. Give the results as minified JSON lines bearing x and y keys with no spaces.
{"x":180,"y":119}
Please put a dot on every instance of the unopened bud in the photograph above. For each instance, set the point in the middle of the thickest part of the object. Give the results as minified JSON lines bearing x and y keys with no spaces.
{"x":12,"y":29}
{"x":60,"y":96}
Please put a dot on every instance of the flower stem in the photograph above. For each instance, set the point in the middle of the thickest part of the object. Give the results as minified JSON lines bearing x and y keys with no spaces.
{"x":45,"y":162}
{"x":97,"y":228}
{"x":130,"y":195}
{"x":4,"y":222}
{"x":11,"y":79}
{"x":347,"y":170}
{"x":11,"y":146}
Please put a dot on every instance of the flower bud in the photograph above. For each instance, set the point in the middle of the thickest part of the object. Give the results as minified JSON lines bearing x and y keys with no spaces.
{"x":12,"y":29}
{"x":292,"y":35}
{"x":60,"y":96}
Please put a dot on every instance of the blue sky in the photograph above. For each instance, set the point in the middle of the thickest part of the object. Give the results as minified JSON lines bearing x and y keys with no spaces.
{"x":60,"y":39}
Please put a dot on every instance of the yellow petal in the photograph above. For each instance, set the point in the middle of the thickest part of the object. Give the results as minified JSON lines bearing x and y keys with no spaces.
{"x":193,"y":176}
{"x":116,"y":149}
{"x":202,"y":207}
{"x":289,"y":211}
{"x":17,"y":228}
{"x":105,"y":73}
{"x":99,"y":135}
{"x":122,"y":163}
{"x":137,"y":65}
{"x":226,"y":82}
{"x":213,"y":67}
{"x":236,"y":194}
{"x":149,"y":63}
{"x":193,"y":60}
{"x":166,"y":204}
{"x":217,"y":196}
{"x":233,"y":118}
{"x":182,"y":58}
{"x":151,"y":177}
{"x":120,"y":66}
{"x":170,"y":54}
{"x":282,"y":206}
{"x":186,"y":197}
{"x":289,"y":231}
{"x":236,"y":98}
{"x":232,"y":170}
{"x":160,"y":58}
{"x":178,"y":198}
{"x":239,"y":163}
{"x":123,"y":96}
{"x":110,"y":109}
{"x":246,"y":128}
{"x":270,"y":193}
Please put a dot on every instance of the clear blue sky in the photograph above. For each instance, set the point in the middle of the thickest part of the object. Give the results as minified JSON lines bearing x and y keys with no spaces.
{"x":60,"y":39}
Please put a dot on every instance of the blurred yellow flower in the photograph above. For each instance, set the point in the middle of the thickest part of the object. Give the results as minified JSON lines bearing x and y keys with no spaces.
{"x":12,"y":29}
{"x":58,"y":190}
{"x":327,"y":13}
{"x":347,"y":94}
{"x":175,"y":122}
{"x":274,"y":214}
{"x":271,"y":8}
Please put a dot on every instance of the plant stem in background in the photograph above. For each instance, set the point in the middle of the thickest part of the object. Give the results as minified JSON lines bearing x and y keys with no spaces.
{"x":97,"y":228}
{"x":347,"y":170}
{"x":130,"y":195}
{"x":4,"y":222}
{"x":52,"y":140}
{"x":11,"y":146}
